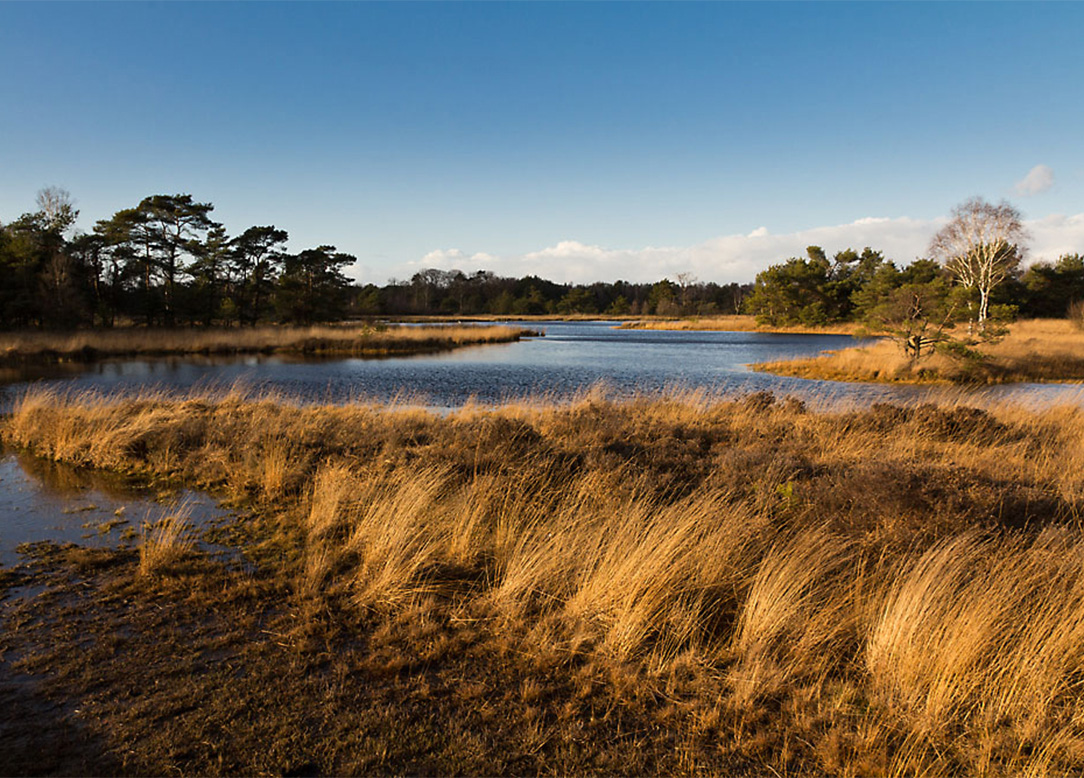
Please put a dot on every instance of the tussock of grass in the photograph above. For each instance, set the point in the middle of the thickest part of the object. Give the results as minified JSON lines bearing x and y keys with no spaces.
{"x":1034,"y":350}
{"x":166,"y":541}
{"x":353,"y":340}
{"x":898,"y":590}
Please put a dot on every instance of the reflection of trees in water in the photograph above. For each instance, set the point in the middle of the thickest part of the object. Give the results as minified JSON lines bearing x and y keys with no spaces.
{"x":14,"y":374}
{"x":20,"y":373}
{"x":65,"y":480}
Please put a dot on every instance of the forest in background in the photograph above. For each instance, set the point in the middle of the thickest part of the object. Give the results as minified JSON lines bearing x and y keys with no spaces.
{"x":166,"y":262}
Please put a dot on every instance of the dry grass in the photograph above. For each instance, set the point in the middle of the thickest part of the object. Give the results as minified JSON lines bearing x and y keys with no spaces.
{"x":741,"y":323}
{"x":881,"y":361}
{"x":166,"y":541}
{"x":1034,"y":350}
{"x":897,"y":590}
{"x":354,"y":340}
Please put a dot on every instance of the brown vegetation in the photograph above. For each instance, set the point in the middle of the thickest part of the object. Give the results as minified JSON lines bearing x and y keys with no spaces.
{"x":667,"y":584}
{"x":741,"y":323}
{"x":1033,"y":350}
{"x":354,"y":340}
{"x":166,"y":541}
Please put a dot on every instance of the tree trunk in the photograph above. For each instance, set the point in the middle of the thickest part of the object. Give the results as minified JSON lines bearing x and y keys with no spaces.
{"x":984,"y":306}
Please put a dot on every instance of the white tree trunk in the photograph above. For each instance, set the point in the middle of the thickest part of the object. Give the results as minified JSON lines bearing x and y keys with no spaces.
{"x":984,"y":306}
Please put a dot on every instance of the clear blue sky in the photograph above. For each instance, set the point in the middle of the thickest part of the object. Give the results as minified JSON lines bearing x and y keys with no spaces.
{"x":393,"y":130}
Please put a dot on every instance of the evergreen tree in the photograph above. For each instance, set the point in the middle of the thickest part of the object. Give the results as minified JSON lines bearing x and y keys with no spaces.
{"x":312,"y":287}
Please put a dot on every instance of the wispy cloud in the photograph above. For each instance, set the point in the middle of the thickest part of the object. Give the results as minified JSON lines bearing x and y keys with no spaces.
{"x":1039,"y":179}
{"x":738,"y":257}
{"x":724,"y":259}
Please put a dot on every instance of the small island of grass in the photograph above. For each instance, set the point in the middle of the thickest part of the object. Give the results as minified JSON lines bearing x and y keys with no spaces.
{"x":1035,"y":350}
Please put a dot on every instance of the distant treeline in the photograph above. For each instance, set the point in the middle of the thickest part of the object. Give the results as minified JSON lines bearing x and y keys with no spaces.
{"x":166,"y":262}
{"x":452,"y":292}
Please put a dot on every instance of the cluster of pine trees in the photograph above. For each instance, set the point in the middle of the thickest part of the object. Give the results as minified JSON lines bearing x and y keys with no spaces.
{"x":163,"y":262}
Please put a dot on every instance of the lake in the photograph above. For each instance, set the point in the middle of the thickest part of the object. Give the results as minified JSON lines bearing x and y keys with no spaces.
{"x":572,"y":356}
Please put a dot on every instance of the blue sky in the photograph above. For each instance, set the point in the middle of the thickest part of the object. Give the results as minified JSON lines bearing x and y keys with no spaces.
{"x":580,"y":141}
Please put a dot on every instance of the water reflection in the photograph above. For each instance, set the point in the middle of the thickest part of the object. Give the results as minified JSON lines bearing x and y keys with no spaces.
{"x":44,"y":500}
{"x":571,"y":357}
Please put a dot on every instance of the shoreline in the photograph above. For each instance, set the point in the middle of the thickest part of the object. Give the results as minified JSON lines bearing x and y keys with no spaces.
{"x":25,"y":349}
{"x":741,"y":323}
{"x":731,"y":323}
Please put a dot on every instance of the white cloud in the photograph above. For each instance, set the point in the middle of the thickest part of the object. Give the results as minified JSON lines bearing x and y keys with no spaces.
{"x":1039,"y":179}
{"x":446,"y":259}
{"x":725,"y":258}
{"x":738,"y":257}
{"x":1055,"y":235}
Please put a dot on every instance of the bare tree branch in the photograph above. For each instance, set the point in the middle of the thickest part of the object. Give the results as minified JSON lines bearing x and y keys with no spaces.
{"x":982,"y":246}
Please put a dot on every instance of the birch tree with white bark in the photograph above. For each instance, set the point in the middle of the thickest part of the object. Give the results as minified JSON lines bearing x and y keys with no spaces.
{"x":981,"y":247}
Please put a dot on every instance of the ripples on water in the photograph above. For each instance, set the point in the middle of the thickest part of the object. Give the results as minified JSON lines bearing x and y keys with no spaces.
{"x":572,"y":357}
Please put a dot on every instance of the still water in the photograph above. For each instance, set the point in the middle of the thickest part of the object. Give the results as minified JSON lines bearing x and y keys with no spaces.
{"x":572,"y":356}
{"x":41,"y":500}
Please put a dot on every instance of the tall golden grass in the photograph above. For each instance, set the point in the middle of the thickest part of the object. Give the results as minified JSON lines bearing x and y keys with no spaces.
{"x":890,"y":591}
{"x":361,"y":340}
{"x":166,"y":540}
{"x":1033,"y":350}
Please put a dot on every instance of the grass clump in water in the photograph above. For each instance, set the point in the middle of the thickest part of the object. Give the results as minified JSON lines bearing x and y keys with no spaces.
{"x":167,"y":541}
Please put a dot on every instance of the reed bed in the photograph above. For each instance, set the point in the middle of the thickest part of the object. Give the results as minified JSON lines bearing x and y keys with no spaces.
{"x":890,"y":591}
{"x":1033,"y":350}
{"x":363,"y":340}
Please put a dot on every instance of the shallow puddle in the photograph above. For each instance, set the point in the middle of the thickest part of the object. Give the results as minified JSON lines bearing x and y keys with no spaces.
{"x":47,"y":501}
